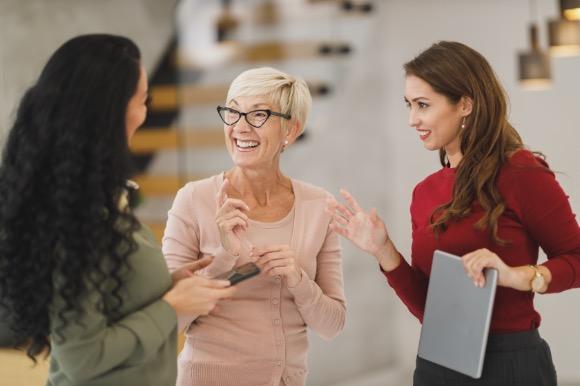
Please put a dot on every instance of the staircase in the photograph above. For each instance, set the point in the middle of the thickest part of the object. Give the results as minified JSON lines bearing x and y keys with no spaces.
{"x":182,"y":139}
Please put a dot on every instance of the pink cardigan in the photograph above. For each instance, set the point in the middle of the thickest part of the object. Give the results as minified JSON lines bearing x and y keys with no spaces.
{"x":259,"y":336}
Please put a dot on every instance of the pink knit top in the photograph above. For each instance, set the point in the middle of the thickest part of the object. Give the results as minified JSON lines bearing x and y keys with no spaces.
{"x":259,"y":336}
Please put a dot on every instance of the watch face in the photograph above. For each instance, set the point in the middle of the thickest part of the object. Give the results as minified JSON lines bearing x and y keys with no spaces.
{"x":537,"y":283}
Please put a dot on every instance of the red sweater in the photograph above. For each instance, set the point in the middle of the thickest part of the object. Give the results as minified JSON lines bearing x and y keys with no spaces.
{"x":537,"y":214}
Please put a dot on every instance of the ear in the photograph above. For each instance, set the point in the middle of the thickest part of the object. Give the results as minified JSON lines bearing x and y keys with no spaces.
{"x":465,"y":105}
{"x":293,"y":131}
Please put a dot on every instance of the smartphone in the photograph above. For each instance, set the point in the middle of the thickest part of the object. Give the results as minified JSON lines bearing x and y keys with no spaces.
{"x":241,"y":273}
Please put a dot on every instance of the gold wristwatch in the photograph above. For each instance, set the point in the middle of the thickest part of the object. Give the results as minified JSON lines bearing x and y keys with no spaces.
{"x":538,"y":281}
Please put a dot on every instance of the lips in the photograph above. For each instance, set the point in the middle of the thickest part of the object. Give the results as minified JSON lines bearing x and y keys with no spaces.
{"x":246,"y":145}
{"x":423,"y":134}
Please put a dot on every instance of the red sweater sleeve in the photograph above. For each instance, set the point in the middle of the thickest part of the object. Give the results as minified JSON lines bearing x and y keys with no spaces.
{"x":409,"y":282}
{"x":546,"y":214}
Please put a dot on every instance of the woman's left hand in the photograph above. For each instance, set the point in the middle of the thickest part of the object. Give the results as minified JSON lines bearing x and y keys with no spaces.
{"x":278,"y":260}
{"x":474,"y":263}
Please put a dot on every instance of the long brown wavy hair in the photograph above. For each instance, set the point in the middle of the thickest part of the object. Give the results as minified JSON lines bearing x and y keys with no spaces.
{"x":456,"y":70}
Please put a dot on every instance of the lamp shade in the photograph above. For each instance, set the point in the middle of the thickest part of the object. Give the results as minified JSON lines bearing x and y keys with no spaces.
{"x":534,"y":69}
{"x":571,"y":9}
{"x":564,"y":37}
{"x":534,"y":65}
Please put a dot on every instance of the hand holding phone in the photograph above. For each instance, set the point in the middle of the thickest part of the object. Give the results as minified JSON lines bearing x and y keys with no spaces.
{"x":241,"y":273}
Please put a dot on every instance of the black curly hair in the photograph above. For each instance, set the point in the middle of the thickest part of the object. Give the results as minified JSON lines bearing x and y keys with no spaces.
{"x":64,"y":169}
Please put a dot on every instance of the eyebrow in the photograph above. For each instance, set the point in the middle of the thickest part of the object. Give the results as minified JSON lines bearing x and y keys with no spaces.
{"x":415,"y":99}
{"x":261,"y":105}
{"x":254,"y":105}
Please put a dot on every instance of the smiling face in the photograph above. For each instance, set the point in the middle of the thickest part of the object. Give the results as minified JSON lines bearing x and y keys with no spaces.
{"x":436,"y":119}
{"x":252,"y":147}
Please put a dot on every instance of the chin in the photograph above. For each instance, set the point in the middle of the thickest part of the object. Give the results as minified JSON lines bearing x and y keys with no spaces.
{"x":243,"y":163}
{"x":431,"y":147}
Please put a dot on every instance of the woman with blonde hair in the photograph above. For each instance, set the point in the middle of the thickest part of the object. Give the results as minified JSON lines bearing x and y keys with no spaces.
{"x":493,"y":202}
{"x":254,"y":213}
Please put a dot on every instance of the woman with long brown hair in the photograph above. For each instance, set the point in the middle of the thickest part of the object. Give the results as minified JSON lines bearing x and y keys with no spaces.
{"x":80,"y":278}
{"x":493,"y":203}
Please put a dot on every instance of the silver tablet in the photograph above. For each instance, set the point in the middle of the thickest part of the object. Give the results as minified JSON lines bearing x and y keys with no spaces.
{"x":457,"y":316}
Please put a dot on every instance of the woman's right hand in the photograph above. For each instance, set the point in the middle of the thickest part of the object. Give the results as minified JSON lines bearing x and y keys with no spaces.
{"x":366,"y":230}
{"x":232,"y":220}
{"x":197,"y":295}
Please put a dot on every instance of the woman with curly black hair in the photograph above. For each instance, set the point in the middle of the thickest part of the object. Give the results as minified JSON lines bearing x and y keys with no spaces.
{"x":81,"y":278}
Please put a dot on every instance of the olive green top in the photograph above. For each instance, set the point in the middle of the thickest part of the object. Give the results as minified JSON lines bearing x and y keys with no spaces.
{"x":135,"y":347}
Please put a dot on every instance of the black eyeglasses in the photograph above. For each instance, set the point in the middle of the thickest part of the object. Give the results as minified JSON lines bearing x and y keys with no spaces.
{"x":255,"y":118}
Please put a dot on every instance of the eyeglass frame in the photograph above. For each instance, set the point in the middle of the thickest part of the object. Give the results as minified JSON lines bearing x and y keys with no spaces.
{"x":245,"y":115}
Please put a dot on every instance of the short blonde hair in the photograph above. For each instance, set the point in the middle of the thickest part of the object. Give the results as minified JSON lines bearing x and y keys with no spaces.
{"x":289,"y":93}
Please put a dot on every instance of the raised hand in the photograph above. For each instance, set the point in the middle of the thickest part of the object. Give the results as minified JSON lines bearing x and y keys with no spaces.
{"x":232,"y":220}
{"x":278,"y":260}
{"x":366,"y":230}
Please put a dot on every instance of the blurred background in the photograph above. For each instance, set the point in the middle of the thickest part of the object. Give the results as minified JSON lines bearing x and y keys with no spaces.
{"x":357,"y":137}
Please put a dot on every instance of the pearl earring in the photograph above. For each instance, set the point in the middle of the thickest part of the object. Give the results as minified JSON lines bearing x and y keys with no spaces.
{"x":285,"y":142}
{"x":463,"y":123}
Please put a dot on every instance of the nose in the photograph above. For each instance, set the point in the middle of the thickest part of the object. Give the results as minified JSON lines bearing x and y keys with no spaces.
{"x":413,"y":118}
{"x":242,"y":126}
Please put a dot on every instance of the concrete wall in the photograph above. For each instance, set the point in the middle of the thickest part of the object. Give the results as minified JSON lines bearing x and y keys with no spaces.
{"x":31,"y":30}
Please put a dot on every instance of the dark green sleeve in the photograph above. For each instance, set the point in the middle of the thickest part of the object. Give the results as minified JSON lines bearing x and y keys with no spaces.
{"x":92,"y":347}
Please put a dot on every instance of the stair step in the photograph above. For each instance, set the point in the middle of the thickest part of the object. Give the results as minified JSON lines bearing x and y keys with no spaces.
{"x":271,"y":51}
{"x":171,"y":97}
{"x":168,"y":97}
{"x":351,"y":6}
{"x":162,"y":185}
{"x":150,"y":140}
